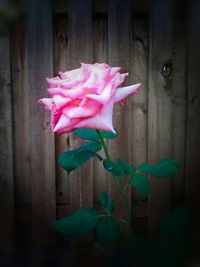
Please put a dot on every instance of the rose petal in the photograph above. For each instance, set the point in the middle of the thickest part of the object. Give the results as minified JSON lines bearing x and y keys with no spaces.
{"x":73,"y":93}
{"x":63,"y":122}
{"x":103,"y":98}
{"x":55,"y":116}
{"x":102,"y":65}
{"x":70,"y":75}
{"x":60,"y":101}
{"x":114,"y":70}
{"x":102,"y":120}
{"x":89,"y":109}
{"x":53,"y":81}
{"x":47,"y":102}
{"x":85,"y":97}
{"x":123,"y":92}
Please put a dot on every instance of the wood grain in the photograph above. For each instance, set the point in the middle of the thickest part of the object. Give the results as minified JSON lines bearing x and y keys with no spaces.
{"x":119,"y":24}
{"x":6,"y":155}
{"x":159,"y":107}
{"x":162,"y":119}
{"x":61,"y":141}
{"x":193,"y":118}
{"x":100,"y":54}
{"x":80,"y":50}
{"x":21,"y":133}
{"x":179,"y":91}
{"x":138,"y":105}
{"x":41,"y":137}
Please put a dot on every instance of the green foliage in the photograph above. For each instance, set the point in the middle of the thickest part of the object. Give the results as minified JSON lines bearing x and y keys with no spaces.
{"x":87,"y":134}
{"x":78,"y":224}
{"x":107,"y":231}
{"x":107,"y":202}
{"x":128,"y":169}
{"x":72,"y":159}
{"x":118,"y":168}
{"x":91,"y":134}
{"x":109,"y":135}
{"x":176,"y":225}
{"x":113,"y":167}
{"x":165,"y":167}
{"x":141,"y":183}
{"x":107,"y":228}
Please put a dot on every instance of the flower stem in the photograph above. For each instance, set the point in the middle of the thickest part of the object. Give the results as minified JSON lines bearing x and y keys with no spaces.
{"x":103,"y":144}
{"x":118,"y":185}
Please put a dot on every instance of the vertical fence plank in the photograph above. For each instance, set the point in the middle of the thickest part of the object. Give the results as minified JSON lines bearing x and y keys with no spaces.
{"x":193,"y":118}
{"x":100,"y":54}
{"x":179,"y":85}
{"x":80,"y":50}
{"x":6,"y":155}
{"x":159,"y":106}
{"x":41,"y":138}
{"x":62,"y":141}
{"x":119,"y":43}
{"x":21,"y":133}
{"x":138,"y":113}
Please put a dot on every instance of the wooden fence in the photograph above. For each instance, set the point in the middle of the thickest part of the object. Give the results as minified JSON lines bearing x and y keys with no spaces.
{"x":158,"y":47}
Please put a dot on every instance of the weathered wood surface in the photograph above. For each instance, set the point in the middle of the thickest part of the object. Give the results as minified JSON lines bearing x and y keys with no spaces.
{"x":6,"y":155}
{"x":137,"y":137}
{"x":193,"y":119}
{"x":119,"y":24}
{"x":100,"y":6}
{"x":21,"y":132}
{"x":62,"y":141}
{"x":178,"y":98}
{"x":80,"y":50}
{"x":160,"y":106}
{"x":100,"y":54}
{"x":42,"y":151}
{"x":160,"y":120}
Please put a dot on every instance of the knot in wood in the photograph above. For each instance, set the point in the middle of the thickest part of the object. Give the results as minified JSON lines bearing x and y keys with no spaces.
{"x":166,"y":69}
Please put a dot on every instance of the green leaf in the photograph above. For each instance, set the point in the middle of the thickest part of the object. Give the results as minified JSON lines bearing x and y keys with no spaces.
{"x":165,"y":167}
{"x":71,"y":160}
{"x":115,"y":168}
{"x":90,"y":146}
{"x":91,"y":134}
{"x":118,"y":168}
{"x":128,"y":169}
{"x":107,"y":231}
{"x":86,"y":133}
{"x":176,"y":225}
{"x":141,"y":183}
{"x":78,"y":224}
{"x":109,"y":135}
{"x":107,"y":202}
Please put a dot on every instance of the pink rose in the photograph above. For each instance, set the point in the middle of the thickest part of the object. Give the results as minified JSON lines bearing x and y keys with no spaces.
{"x":85,"y":97}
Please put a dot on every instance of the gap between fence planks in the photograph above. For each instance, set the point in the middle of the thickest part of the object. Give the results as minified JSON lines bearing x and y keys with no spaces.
{"x":42,"y":151}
